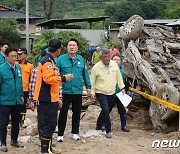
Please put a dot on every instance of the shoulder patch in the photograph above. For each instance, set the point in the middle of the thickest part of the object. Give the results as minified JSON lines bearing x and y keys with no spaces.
{"x":49,"y":67}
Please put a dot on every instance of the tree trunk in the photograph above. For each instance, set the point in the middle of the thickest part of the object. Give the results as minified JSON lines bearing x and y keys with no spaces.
{"x":48,"y":5}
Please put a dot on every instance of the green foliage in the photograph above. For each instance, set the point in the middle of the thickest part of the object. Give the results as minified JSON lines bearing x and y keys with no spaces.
{"x":15,"y":4}
{"x":118,"y":9}
{"x":8,"y":31}
{"x":147,"y":9}
{"x":153,"y":9}
{"x":173,"y":12}
{"x":64,"y":36}
{"x":41,"y":41}
{"x":107,"y":44}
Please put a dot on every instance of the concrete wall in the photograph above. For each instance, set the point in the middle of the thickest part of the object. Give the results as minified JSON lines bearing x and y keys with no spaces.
{"x":94,"y":36}
{"x":114,"y":35}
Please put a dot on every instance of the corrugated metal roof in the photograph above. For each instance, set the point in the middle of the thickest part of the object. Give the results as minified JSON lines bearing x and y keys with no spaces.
{"x":154,"y":21}
{"x":71,"y":20}
{"x":175,"y":23}
{"x":159,"y":21}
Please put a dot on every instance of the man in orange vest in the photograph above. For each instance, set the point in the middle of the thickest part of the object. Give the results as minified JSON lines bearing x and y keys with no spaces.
{"x":27,"y":68}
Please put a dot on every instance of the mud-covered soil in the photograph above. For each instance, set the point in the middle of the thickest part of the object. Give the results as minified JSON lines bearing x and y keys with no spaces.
{"x":138,"y":141}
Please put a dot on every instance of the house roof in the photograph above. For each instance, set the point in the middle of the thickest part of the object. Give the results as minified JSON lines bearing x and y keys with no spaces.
{"x":4,"y":7}
{"x":154,"y":21}
{"x":159,"y":21}
{"x":6,"y":11}
{"x":71,"y":20}
{"x":174,"y":23}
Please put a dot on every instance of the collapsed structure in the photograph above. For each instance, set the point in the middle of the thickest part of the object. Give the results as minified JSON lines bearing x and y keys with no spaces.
{"x":152,"y":60}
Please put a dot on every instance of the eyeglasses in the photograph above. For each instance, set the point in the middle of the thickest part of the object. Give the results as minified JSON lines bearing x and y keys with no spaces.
{"x":12,"y":56}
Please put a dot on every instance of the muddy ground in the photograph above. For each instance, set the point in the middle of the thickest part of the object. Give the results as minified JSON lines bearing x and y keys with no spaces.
{"x":138,"y":141}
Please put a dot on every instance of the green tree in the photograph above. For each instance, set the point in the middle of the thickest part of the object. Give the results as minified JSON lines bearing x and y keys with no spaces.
{"x":8,"y":31}
{"x":48,"y":8}
{"x":153,"y":9}
{"x":146,"y":9}
{"x":15,"y":4}
{"x":42,"y":41}
{"x":173,"y":12}
{"x":122,"y":11}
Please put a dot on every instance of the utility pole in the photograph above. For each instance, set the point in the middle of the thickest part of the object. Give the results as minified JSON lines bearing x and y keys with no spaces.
{"x":27,"y":26}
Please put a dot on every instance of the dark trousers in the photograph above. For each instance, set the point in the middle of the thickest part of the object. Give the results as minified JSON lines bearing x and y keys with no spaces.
{"x":111,"y":104}
{"x":106,"y":103}
{"x":23,"y":106}
{"x":76,"y":101}
{"x":120,"y":107}
{"x":48,"y":118}
{"x":5,"y":111}
{"x":40,"y":119}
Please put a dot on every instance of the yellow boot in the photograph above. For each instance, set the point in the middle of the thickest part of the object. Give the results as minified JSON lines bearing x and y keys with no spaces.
{"x":10,"y":123}
{"x":23,"y":125}
{"x":58,"y":151}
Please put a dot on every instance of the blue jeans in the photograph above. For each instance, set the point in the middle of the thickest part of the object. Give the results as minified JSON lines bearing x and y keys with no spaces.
{"x":105,"y":102}
{"x":121,"y":112}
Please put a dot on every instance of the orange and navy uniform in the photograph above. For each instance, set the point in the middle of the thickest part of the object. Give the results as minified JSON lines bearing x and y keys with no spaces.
{"x":27,"y":69}
{"x":47,"y":81}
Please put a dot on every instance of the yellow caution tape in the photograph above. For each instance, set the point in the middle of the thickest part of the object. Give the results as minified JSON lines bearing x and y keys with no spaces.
{"x":157,"y":100}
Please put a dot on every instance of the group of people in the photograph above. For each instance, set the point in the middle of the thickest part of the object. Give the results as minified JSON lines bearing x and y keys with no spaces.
{"x":96,"y":54}
{"x":55,"y":84}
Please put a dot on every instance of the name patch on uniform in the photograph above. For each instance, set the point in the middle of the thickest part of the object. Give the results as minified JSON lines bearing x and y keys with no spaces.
{"x":49,"y":67}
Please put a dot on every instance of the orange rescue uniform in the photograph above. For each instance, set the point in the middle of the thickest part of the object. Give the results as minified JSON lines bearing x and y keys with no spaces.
{"x":47,"y":81}
{"x":27,"y":69}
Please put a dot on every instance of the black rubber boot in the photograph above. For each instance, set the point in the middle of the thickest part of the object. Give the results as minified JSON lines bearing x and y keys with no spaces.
{"x":45,"y":146}
{"x":123,"y":124}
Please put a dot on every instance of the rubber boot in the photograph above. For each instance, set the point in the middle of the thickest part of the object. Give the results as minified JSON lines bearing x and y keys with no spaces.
{"x":53,"y":150}
{"x":45,"y":146}
{"x":23,"y":125}
{"x":10,"y":123}
{"x":123,"y":124}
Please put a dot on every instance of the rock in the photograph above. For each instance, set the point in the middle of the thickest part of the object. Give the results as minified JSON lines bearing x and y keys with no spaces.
{"x":92,"y":133}
{"x":34,"y":131}
{"x":27,"y":121}
{"x":91,"y":113}
{"x":28,"y":130}
{"x":24,"y":139}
